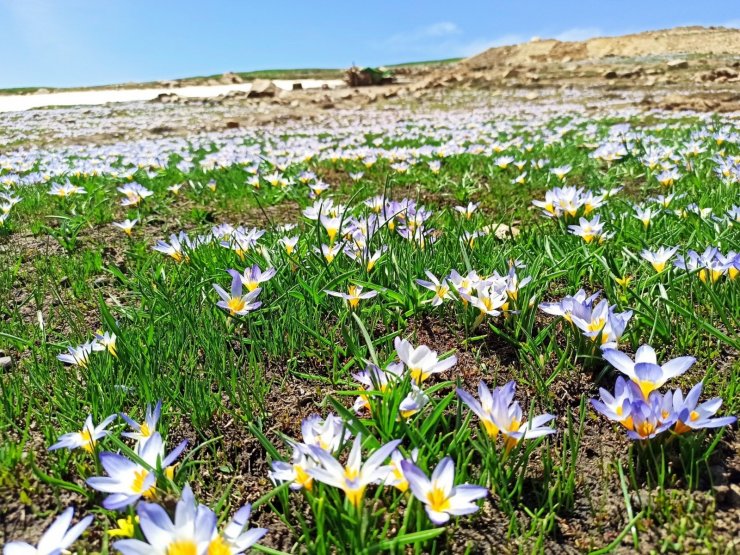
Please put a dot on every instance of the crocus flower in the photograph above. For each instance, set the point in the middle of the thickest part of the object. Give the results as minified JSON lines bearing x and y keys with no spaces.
{"x":86,"y":438}
{"x":514,"y":428}
{"x":658,"y":259}
{"x":57,"y":538}
{"x":126,"y":226}
{"x":328,"y":434}
{"x":356,"y":476}
{"x":193,"y":532}
{"x":647,"y":420}
{"x":484,"y":408}
{"x":236,"y":538}
{"x":464,"y":285}
{"x":421,"y":361}
{"x":294,"y":472}
{"x":612,"y":332}
{"x":175,"y":248}
{"x":645,"y":215}
{"x":106,"y":341}
{"x":588,"y":230}
{"x":500,"y":414}
{"x":66,"y":190}
{"x":175,"y":189}
{"x":441,"y":288}
{"x":375,"y":379}
{"x":252,"y":277}
{"x":440,"y":496}
{"x":128,"y":481}
{"x":468,"y":210}
{"x":353,"y":296}
{"x":329,"y":253}
{"x":487,"y":298}
{"x":413,"y":402}
{"x":289,"y":244}
{"x":694,"y":416}
{"x":78,"y":356}
{"x":142,"y":432}
{"x":579,"y":304}
{"x":396,"y":477}
{"x":331,"y":225}
{"x":617,"y":407}
{"x":645,"y":371}
{"x":235,"y":303}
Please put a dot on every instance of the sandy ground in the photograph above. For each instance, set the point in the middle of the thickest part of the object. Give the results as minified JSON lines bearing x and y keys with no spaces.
{"x":14,"y":103}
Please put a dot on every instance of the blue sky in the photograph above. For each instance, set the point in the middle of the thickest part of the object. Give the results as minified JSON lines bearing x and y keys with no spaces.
{"x":88,"y":42}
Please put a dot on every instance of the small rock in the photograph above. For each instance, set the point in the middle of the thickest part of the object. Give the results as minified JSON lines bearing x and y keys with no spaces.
{"x":610,"y":74}
{"x":298,"y":86}
{"x":262,"y":88}
{"x":166,"y":98}
{"x":6,"y":363}
{"x":677,"y":64}
{"x":230,"y":78}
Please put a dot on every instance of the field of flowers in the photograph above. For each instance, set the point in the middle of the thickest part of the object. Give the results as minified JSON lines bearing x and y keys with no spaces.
{"x":495,"y":327}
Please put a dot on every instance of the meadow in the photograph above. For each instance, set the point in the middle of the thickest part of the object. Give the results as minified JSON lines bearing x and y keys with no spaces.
{"x":493,"y":327}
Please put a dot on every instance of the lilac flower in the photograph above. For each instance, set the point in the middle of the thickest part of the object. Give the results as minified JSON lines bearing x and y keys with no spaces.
{"x":57,"y":538}
{"x":127,"y":481}
{"x":645,"y":371}
{"x":235,"y":303}
{"x":440,"y":496}
{"x":694,"y":416}
{"x":86,"y":438}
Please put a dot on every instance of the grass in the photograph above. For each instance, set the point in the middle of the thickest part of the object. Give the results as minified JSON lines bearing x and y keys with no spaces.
{"x":237,"y":387}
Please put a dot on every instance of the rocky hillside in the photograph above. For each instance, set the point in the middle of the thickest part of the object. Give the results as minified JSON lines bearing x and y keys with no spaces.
{"x":688,"y":42}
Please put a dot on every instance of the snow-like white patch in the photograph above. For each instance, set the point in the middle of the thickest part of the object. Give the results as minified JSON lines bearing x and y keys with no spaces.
{"x":17,"y":102}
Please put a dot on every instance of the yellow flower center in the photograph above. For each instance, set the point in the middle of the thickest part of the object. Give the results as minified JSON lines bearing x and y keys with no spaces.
{"x":183,"y":547}
{"x":418,"y":375}
{"x":236,"y":304}
{"x":646,"y":388}
{"x":351,"y":473}
{"x":144,"y":430}
{"x":88,"y":442}
{"x":438,"y":501}
{"x":627,"y":423}
{"x":402,"y":484}
{"x":645,"y":428}
{"x":218,"y":546}
{"x":659,"y":266}
{"x":302,"y":478}
{"x":137,"y":486}
{"x":491,"y":428}
{"x":354,"y":496}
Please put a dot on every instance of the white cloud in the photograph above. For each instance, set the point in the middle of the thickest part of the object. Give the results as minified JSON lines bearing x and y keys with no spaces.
{"x":476,"y":46}
{"x":440,"y":40}
{"x":579,"y":33}
{"x":422,"y":37}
